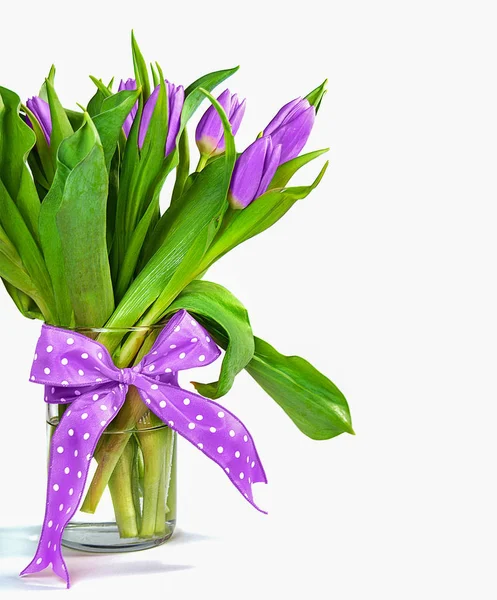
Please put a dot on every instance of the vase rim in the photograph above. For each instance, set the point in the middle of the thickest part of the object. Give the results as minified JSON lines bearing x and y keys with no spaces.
{"x":103,"y":329}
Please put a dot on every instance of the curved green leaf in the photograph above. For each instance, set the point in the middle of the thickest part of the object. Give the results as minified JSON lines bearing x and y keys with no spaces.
{"x":18,"y":233}
{"x":73,"y":233}
{"x":196,"y":218}
{"x":225,"y":317}
{"x":316,"y":96}
{"x":311,"y":400}
{"x":16,"y":141}
{"x":61,"y":126}
{"x":206,"y":202}
{"x":11,"y":267}
{"x":166,"y":222}
{"x":194,"y":95}
{"x":109,"y":121}
{"x":141,"y":73}
{"x":261,"y":214}
{"x":287,"y":170}
{"x":183,"y":167}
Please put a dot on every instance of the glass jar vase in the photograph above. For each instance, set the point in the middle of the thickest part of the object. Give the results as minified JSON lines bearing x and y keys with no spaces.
{"x":129,"y":501}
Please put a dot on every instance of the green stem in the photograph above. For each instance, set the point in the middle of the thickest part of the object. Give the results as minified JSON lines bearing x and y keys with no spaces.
{"x":112,"y":446}
{"x":160,"y":512}
{"x":202,"y":162}
{"x":137,"y":481}
{"x":165,"y":483}
{"x":120,"y":486}
{"x":152,"y":441}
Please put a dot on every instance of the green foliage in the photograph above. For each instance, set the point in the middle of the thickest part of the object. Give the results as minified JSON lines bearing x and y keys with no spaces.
{"x":84,"y":241}
{"x":227,"y":320}
{"x":258,"y":216}
{"x":310,"y":399}
{"x":316,"y":96}
{"x":73,"y":233}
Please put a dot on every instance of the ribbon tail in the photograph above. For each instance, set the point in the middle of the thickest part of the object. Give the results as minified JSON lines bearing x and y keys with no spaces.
{"x":57,"y":563}
{"x":213,"y":429}
{"x":71,"y":450}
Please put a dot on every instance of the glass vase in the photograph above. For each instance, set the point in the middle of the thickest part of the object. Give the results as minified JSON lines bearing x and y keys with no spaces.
{"x":129,"y":501}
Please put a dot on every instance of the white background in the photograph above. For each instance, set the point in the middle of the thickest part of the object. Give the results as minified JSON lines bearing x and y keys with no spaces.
{"x":393,"y":256}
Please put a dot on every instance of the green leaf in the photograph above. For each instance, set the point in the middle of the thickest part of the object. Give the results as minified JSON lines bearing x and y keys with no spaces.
{"x":287,"y":170}
{"x":43,"y":90}
{"x":53,"y":249}
{"x":164,"y":225}
{"x":133,"y":249}
{"x":155,"y":75}
{"x":94,"y":106}
{"x":11,"y":267}
{"x":311,"y":400}
{"x":227,"y":320}
{"x":141,"y":73}
{"x":102,"y":88}
{"x":76,"y":118}
{"x":73,"y":230}
{"x":112,"y":200}
{"x":81,"y":223}
{"x":130,"y":163}
{"x":142,"y":175}
{"x":194,"y":96}
{"x":46,"y":160}
{"x":152,"y":160}
{"x":202,"y":209}
{"x":183,"y":168}
{"x":316,"y":96}
{"x":19,"y":235}
{"x":141,"y":205}
{"x":16,"y":141}
{"x":258,"y":216}
{"x":206,"y":201}
{"x":26,"y":305}
{"x":109,"y":121}
{"x":196,"y":217}
{"x":61,"y":126}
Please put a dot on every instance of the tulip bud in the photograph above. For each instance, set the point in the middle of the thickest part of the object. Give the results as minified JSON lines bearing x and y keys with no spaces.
{"x":253,"y":172}
{"x":291,"y":127}
{"x":41,"y":110}
{"x":210,"y":133}
{"x":130,"y":84}
{"x":176,"y":98}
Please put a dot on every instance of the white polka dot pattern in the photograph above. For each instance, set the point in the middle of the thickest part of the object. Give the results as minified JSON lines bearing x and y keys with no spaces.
{"x":98,"y":391}
{"x":67,"y":473}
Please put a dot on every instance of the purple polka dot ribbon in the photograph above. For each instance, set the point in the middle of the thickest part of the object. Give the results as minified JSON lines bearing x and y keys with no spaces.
{"x":79,"y":371}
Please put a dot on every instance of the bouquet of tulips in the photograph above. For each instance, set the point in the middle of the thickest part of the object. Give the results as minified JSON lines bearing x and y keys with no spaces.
{"x":84,"y":243}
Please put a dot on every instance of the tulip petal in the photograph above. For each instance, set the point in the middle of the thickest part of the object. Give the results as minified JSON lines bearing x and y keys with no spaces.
{"x":209,"y":134}
{"x":281,"y":116}
{"x":129,"y":84}
{"x":237,"y":116}
{"x":41,"y":111}
{"x":176,"y":96}
{"x":248,"y":172}
{"x":148,"y":111}
{"x":294,"y":135}
{"x":271,"y":163}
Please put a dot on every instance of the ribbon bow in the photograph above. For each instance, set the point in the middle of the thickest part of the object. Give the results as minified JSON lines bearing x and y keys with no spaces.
{"x":80,"y":371}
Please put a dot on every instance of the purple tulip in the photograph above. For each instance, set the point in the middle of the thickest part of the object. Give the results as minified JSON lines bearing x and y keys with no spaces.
{"x":210,"y":134}
{"x":291,"y":127}
{"x":130,"y":84}
{"x":253,"y":172}
{"x":176,"y":97}
{"x":41,"y":110}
